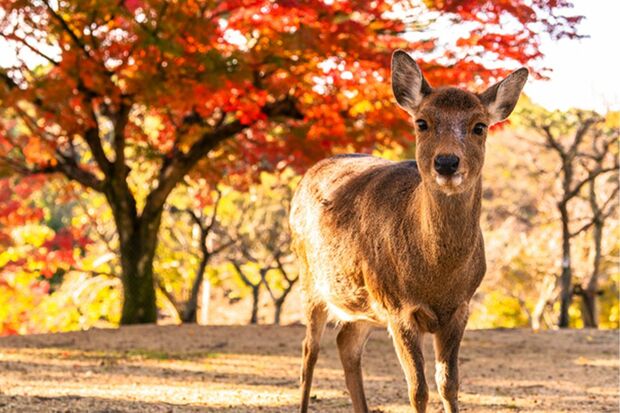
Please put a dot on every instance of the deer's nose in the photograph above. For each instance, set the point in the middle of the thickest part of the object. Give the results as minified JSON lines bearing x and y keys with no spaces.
{"x":446,"y":164}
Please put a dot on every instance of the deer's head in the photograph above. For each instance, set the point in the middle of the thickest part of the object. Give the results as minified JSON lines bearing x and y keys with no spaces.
{"x":451,"y":124}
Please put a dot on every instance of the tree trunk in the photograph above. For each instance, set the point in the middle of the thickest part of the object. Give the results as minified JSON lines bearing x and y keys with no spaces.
{"x":566,"y":292}
{"x":588,"y":309}
{"x":590,"y":293}
{"x":189,"y":315}
{"x":137,"y":241}
{"x":277,"y":311}
{"x":137,"y":249}
{"x":255,"y":294}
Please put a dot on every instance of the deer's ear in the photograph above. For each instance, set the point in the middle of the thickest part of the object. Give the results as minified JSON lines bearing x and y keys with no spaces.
{"x":408,"y":83}
{"x":501,"y":98}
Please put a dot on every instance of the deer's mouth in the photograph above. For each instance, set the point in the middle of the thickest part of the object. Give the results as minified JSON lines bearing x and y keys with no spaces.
{"x":450,"y":182}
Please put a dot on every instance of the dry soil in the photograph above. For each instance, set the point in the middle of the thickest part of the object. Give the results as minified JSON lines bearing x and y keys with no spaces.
{"x":250,"y":369}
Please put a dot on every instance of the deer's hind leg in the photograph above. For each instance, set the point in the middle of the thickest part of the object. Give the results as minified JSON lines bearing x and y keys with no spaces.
{"x":351,"y":342}
{"x":316,"y":318}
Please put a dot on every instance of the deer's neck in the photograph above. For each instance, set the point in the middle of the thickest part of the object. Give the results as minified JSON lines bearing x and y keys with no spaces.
{"x":449,"y":225}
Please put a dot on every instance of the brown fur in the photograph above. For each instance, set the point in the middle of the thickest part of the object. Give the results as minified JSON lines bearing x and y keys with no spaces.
{"x":384,"y":242}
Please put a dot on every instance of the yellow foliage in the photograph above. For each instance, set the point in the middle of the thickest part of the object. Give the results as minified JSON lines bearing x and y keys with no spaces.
{"x":32,"y":235}
{"x":612,"y":119}
{"x":361,"y":107}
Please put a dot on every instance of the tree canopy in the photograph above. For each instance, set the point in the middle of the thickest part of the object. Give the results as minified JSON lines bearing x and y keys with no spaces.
{"x":128,"y":97}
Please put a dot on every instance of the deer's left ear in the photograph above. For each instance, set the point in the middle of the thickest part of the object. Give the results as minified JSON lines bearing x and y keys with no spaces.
{"x":501,"y":98}
{"x":408,"y":83}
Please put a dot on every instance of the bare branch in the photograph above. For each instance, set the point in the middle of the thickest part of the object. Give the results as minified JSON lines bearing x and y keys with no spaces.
{"x":263,"y":276}
{"x":65,"y":165}
{"x":246,"y":253}
{"x":532,"y":142}
{"x":32,"y":48}
{"x":178,"y":164}
{"x":92,"y":272}
{"x":242,"y":275}
{"x":91,"y":137}
{"x":213,"y":218}
{"x":591,"y":176}
{"x":169,"y":296}
{"x":284,"y":273}
{"x":552,"y":142}
{"x":93,"y":222}
{"x":72,"y":170}
{"x":93,"y":140}
{"x":580,"y":134}
{"x":65,"y":26}
{"x":121,"y":117}
{"x":223,"y":247}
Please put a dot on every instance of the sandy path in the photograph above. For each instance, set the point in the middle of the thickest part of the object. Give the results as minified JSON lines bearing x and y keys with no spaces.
{"x":249,"y":369}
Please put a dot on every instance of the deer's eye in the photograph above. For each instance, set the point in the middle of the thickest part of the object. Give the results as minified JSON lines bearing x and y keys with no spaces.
{"x":479,"y":128}
{"x":422,"y":125}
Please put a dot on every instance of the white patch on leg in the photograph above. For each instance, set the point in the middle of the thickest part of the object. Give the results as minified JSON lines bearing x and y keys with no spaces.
{"x":441,"y":372}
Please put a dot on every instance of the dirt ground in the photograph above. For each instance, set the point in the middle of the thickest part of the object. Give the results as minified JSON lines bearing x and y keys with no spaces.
{"x":249,"y":369}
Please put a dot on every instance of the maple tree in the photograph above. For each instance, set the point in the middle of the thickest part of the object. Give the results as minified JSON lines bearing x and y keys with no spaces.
{"x":221,"y":88}
{"x":52,"y":275}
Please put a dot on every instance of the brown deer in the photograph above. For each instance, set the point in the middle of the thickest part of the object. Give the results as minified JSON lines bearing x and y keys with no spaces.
{"x":399,"y":243}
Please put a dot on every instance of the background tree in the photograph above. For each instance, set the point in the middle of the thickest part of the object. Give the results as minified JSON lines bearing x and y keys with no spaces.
{"x":110,"y":93}
{"x":263,"y":239}
{"x":522,"y":226}
{"x":212,"y":240}
{"x":554,"y":128}
{"x":252,"y":281}
{"x":603,"y":201}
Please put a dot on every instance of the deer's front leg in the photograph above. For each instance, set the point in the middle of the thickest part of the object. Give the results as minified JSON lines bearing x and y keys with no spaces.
{"x":408,"y":344}
{"x":447,"y":342}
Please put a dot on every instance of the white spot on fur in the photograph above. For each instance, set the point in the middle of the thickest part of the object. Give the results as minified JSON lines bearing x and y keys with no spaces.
{"x":453,"y":181}
{"x":457,"y":179}
{"x":339,"y":314}
{"x":322,"y":288}
{"x":379,"y":311}
{"x":441,"y":373}
{"x":457,"y":132}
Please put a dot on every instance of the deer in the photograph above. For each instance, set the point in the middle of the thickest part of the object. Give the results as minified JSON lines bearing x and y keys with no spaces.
{"x":399,"y":244}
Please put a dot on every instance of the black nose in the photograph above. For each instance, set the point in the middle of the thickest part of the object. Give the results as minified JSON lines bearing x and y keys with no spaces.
{"x":446,"y":164}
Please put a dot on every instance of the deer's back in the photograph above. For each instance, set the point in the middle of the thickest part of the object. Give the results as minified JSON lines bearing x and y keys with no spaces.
{"x":339,"y":193}
{"x":346,"y":216}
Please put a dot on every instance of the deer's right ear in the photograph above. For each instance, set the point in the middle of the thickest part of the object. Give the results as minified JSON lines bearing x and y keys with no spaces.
{"x":501,"y":98}
{"x":408,"y":83}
